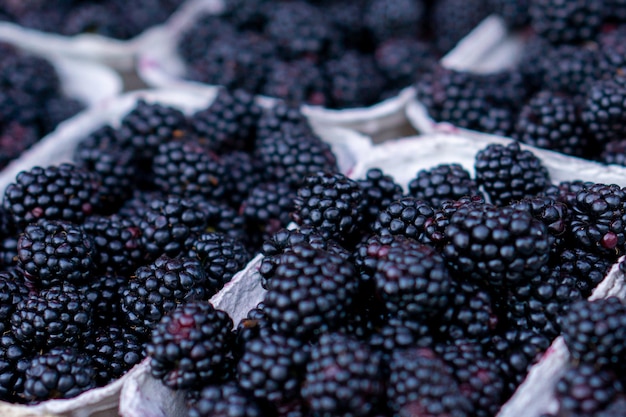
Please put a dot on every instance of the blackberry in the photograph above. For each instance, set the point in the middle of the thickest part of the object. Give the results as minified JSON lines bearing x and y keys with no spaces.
{"x":405,"y":217}
{"x":509,"y":173}
{"x":421,"y":383}
{"x":332,"y":203}
{"x":159,"y":288}
{"x":442,"y":182}
{"x":14,"y":359}
{"x":310,"y":291}
{"x":354,"y":80}
{"x":570,"y":70}
{"x":228,"y":123}
{"x":379,"y":191}
{"x":398,"y":334}
{"x":268,"y":207}
{"x":498,"y":121}
{"x":498,"y":245}
{"x":31,"y":74}
{"x":594,"y":332}
{"x":297,"y":82}
{"x":244,"y":173}
{"x":453,"y":19}
{"x":343,"y":377}
{"x":551,"y":212}
{"x":207,"y":27}
{"x":614,"y":152}
{"x":220,"y":217}
{"x":402,"y":61}
{"x":62,"y":192}
{"x":15,"y":138}
{"x":588,"y":268}
{"x":59,"y":373}
{"x":254,"y":326}
{"x":552,"y":121}
{"x":566,"y":22}
{"x":413,"y":280}
{"x":282,"y":118}
{"x":185,"y":168}
{"x":190,"y":346}
{"x":104,"y":293}
{"x":272,"y":368}
{"x":602,"y":112}
{"x":53,"y":251}
{"x":55,"y":316}
{"x":434,"y":227}
{"x":221,"y":258}
{"x":114,"y":350}
{"x":514,"y":12}
{"x":59,"y":109}
{"x":393,"y":19}
{"x":13,"y":289}
{"x":227,"y":400}
{"x":585,"y":390}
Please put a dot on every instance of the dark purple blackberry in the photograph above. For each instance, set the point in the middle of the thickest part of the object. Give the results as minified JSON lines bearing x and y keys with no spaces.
{"x":31,"y":74}
{"x":603,"y":109}
{"x":509,"y":173}
{"x":290,"y":156}
{"x":434,"y":227}
{"x":566,"y":22}
{"x":272,"y":368}
{"x":552,"y":121}
{"x":496,"y":245}
{"x":332,"y":203}
{"x":185,"y":168}
{"x":310,"y":291}
{"x":14,"y":359}
{"x":498,"y":121}
{"x":514,"y":12}
{"x":104,"y":293}
{"x":551,"y":212}
{"x":268,"y":207}
{"x":59,"y":373}
{"x":354,"y":80}
{"x":62,"y":192}
{"x":451,"y":20}
{"x":398,"y":334}
{"x":158,"y":288}
{"x":243,"y":174}
{"x":379,"y":190}
{"x":207,"y":27}
{"x":420,"y":383}
{"x":343,"y":377}
{"x":594,"y":332}
{"x":402,"y":61}
{"x":55,"y":316}
{"x":405,"y":217}
{"x":297,"y":82}
{"x":13,"y":289}
{"x":254,"y":326}
{"x":478,"y":376}
{"x":585,"y":390}
{"x":586,"y":267}
{"x":394,"y":19}
{"x":598,"y":219}
{"x":190,"y":346}
{"x":228,"y":123}
{"x":220,"y":217}
{"x":59,"y":109}
{"x":227,"y":400}
{"x":220,"y":256}
{"x":570,"y":70}
{"x":614,"y":152}
{"x":441,"y":183}
{"x":413,"y":281}
{"x":282,"y":118}
{"x":114,"y":350}
{"x":53,"y":251}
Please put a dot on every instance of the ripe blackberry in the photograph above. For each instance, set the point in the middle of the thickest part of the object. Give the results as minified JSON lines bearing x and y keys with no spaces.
{"x":394,"y":19}
{"x":399,"y":334}
{"x":477,"y":375}
{"x":220,"y":256}
{"x":310,"y":291}
{"x":566,"y":22}
{"x":551,"y":212}
{"x":59,"y":373}
{"x":566,"y":191}
{"x":289,"y":156}
{"x":586,"y":267}
{"x":332,"y":203}
{"x":268,"y":207}
{"x":228,"y":123}
{"x":585,"y":390}
{"x":244,"y":173}
{"x":594,"y":332}
{"x":614,"y":152}
{"x":14,"y":359}
{"x":343,"y":377}
{"x":59,"y":109}
{"x":114,"y":350}
{"x":354,"y":80}
{"x":402,"y":61}
{"x":442,"y":182}
{"x":62,"y":192}
{"x":283,"y":118}
{"x":104,"y":293}
{"x":405,"y":217}
{"x":246,"y":14}
{"x":451,"y":20}
{"x":159,"y":288}
{"x":570,"y":69}
{"x":421,"y":383}
{"x":227,"y":400}
{"x":13,"y":289}
{"x":190,"y":346}
{"x":603,"y":109}
{"x":53,"y":251}
{"x":254,"y":326}
{"x":509,"y":173}
{"x":370,"y":252}
{"x":552,"y":121}
{"x":413,"y":281}
{"x":15,"y":138}
{"x":203,"y":31}
{"x":297,"y":82}
{"x":55,"y":316}
{"x":434,"y":227}
{"x":220,"y":217}
{"x":498,"y":121}
{"x":379,"y":190}
{"x":185,"y":168}
{"x":272,"y":368}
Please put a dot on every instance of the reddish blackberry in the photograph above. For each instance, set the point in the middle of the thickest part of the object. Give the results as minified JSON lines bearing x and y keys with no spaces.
{"x":114,"y":350}
{"x":453,"y":19}
{"x":614,"y":152}
{"x":190,"y":346}
{"x":442,"y":182}
{"x":509,"y":173}
{"x":244,"y":173}
{"x":585,"y":390}
{"x":297,"y":82}
{"x":56,"y":316}
{"x":227,"y":400}
{"x":268,"y":207}
{"x":228,"y":123}
{"x":498,"y":121}
{"x":310,"y":291}
{"x":405,"y":217}
{"x":159,"y":288}
{"x":13,"y":289}
{"x":498,"y":245}
{"x":31,"y":74}
{"x":413,"y":281}
{"x":272,"y":368}
{"x":379,"y":190}
{"x":420,"y":383}
{"x":59,"y":373}
{"x":185,"y":168}
{"x":566,"y":22}
{"x":586,"y":267}
{"x":53,"y":251}
{"x":552,"y":121}
{"x":343,"y":377}
{"x":594,"y":332}
{"x":603,"y":109}
{"x":331,"y":203}
{"x":14,"y":359}
{"x":220,"y":256}
{"x":402,"y":61}
{"x":62,"y":192}
{"x":394,"y":19}
{"x":104,"y":293}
